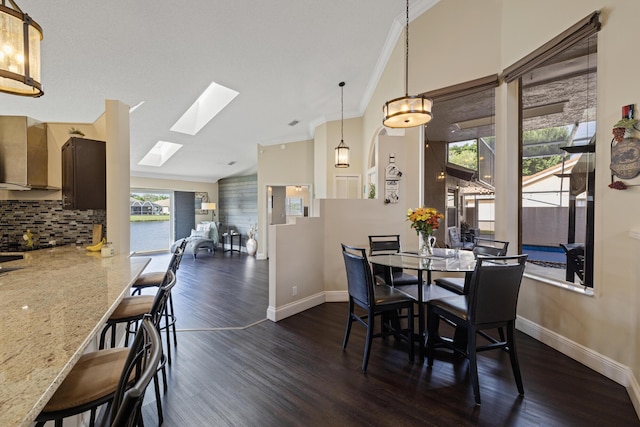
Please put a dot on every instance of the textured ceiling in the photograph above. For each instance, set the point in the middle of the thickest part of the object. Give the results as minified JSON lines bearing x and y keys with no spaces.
{"x":285,"y":57}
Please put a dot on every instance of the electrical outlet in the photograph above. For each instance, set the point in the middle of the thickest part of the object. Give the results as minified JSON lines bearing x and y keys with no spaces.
{"x":294,"y":291}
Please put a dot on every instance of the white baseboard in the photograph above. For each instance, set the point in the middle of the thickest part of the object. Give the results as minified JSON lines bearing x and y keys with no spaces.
{"x":294,"y":307}
{"x":634,"y":392}
{"x":588,"y":357}
{"x":336,"y":296}
{"x":602,"y":364}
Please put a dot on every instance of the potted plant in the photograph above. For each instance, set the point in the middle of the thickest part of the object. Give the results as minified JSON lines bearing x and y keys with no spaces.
{"x":76,"y":132}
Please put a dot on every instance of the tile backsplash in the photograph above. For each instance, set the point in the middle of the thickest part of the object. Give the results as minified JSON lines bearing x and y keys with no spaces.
{"x":47,"y":221}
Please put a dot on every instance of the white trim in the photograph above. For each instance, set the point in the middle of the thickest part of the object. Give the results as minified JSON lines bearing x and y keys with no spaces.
{"x":294,"y":307}
{"x":606,"y":366}
{"x":634,"y":392}
{"x":583,"y":290}
{"x":336,"y":296}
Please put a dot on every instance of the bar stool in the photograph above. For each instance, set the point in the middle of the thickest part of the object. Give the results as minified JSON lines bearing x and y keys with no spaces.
{"x":154,"y":279}
{"x":100,"y":376}
{"x":132,"y":310}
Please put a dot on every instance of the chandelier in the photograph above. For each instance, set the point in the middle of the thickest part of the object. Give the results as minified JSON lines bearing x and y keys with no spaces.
{"x":407,"y":111}
{"x":20,"y":38}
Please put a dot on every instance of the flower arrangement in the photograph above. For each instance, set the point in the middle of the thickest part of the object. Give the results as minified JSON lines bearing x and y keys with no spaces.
{"x":74,"y":131}
{"x":424,"y":220}
{"x":253,"y":228}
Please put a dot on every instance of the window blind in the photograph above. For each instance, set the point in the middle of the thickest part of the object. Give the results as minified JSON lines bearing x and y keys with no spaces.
{"x":582,"y":29}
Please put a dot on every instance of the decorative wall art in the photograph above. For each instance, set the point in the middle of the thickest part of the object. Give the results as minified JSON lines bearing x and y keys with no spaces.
{"x":625,"y":149}
{"x":392,"y":176}
{"x":200,"y":199}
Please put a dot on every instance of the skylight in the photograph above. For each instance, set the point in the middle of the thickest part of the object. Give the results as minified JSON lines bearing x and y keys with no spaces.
{"x":206,"y":107}
{"x":160,"y":153}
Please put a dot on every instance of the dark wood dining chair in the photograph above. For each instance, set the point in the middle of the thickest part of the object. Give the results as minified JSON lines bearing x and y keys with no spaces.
{"x":389,"y":244}
{"x":375,"y":299}
{"x":491,"y":304}
{"x":489,"y":247}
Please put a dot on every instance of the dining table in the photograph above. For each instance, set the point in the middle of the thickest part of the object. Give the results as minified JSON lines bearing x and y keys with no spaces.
{"x":53,"y":303}
{"x":442,"y":260}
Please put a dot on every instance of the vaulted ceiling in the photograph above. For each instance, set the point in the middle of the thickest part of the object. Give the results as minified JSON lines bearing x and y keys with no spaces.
{"x":284,"y":57}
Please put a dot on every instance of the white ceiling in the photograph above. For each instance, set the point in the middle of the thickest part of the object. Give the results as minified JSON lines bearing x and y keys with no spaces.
{"x":285,"y":57}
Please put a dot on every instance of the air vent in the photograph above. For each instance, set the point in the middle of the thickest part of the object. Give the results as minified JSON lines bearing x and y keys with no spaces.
{"x":293,"y":123}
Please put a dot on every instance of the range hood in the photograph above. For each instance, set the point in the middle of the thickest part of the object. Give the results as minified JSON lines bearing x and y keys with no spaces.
{"x":23,"y":154}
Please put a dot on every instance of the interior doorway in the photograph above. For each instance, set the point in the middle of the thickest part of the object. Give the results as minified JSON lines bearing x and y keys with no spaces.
{"x":285,"y":203}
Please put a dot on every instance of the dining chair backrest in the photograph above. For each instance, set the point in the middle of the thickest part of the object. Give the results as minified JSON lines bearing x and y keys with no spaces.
{"x":140,"y":367}
{"x":490,"y":247}
{"x":384,"y":244}
{"x":454,"y":237}
{"x":495,"y":284}
{"x":359,"y":277}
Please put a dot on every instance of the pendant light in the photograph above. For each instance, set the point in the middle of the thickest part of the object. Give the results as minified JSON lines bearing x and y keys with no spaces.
{"x":342,"y":150}
{"x":407,"y":111}
{"x":20,"y":38}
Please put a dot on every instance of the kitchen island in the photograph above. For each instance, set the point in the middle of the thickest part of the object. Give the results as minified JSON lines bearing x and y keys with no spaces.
{"x":52,"y":304}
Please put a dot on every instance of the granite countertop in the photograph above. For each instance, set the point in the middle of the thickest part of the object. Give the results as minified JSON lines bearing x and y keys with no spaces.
{"x":52,"y":304}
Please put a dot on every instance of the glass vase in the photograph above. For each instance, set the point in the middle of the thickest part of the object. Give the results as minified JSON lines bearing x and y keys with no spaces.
{"x":427,"y":244}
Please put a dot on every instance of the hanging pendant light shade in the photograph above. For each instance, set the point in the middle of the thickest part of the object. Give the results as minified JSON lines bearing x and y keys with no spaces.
{"x":342,"y":150}
{"x":20,"y":38}
{"x":407,"y":111}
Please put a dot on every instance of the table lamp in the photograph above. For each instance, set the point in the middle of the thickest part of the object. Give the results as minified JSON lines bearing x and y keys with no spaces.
{"x":211,"y":207}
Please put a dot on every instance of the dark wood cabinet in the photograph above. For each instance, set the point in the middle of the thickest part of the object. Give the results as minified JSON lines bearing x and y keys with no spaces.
{"x":84,"y":174}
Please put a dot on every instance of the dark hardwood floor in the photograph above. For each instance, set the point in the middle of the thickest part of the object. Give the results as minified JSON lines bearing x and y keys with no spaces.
{"x":233,"y":368}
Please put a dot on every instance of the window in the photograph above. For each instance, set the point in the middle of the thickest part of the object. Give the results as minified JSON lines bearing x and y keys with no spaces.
{"x":294,"y":206}
{"x":459,"y":156}
{"x":558,"y":110}
{"x":150,"y":224}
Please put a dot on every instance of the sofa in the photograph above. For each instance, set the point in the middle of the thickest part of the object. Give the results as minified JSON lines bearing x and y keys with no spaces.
{"x":204,"y":237}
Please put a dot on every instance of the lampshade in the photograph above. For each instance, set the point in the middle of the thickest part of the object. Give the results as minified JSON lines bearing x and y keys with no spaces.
{"x":20,"y":38}
{"x":342,"y":155}
{"x":342,"y":150}
{"x":208,"y":206}
{"x":407,"y":111}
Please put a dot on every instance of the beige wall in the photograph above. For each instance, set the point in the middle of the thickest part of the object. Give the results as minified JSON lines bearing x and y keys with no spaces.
{"x":285,"y":164}
{"x":606,"y":324}
{"x":460,"y":40}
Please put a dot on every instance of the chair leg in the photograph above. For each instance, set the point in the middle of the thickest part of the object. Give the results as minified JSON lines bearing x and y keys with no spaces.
{"x":515,"y":366}
{"x":473,"y":362}
{"x":158,"y":401}
{"x":349,"y":322}
{"x":433,"y":321}
{"x":369,"y":339}
{"x":410,"y":334}
{"x":167,"y":331}
{"x":173,"y":320}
